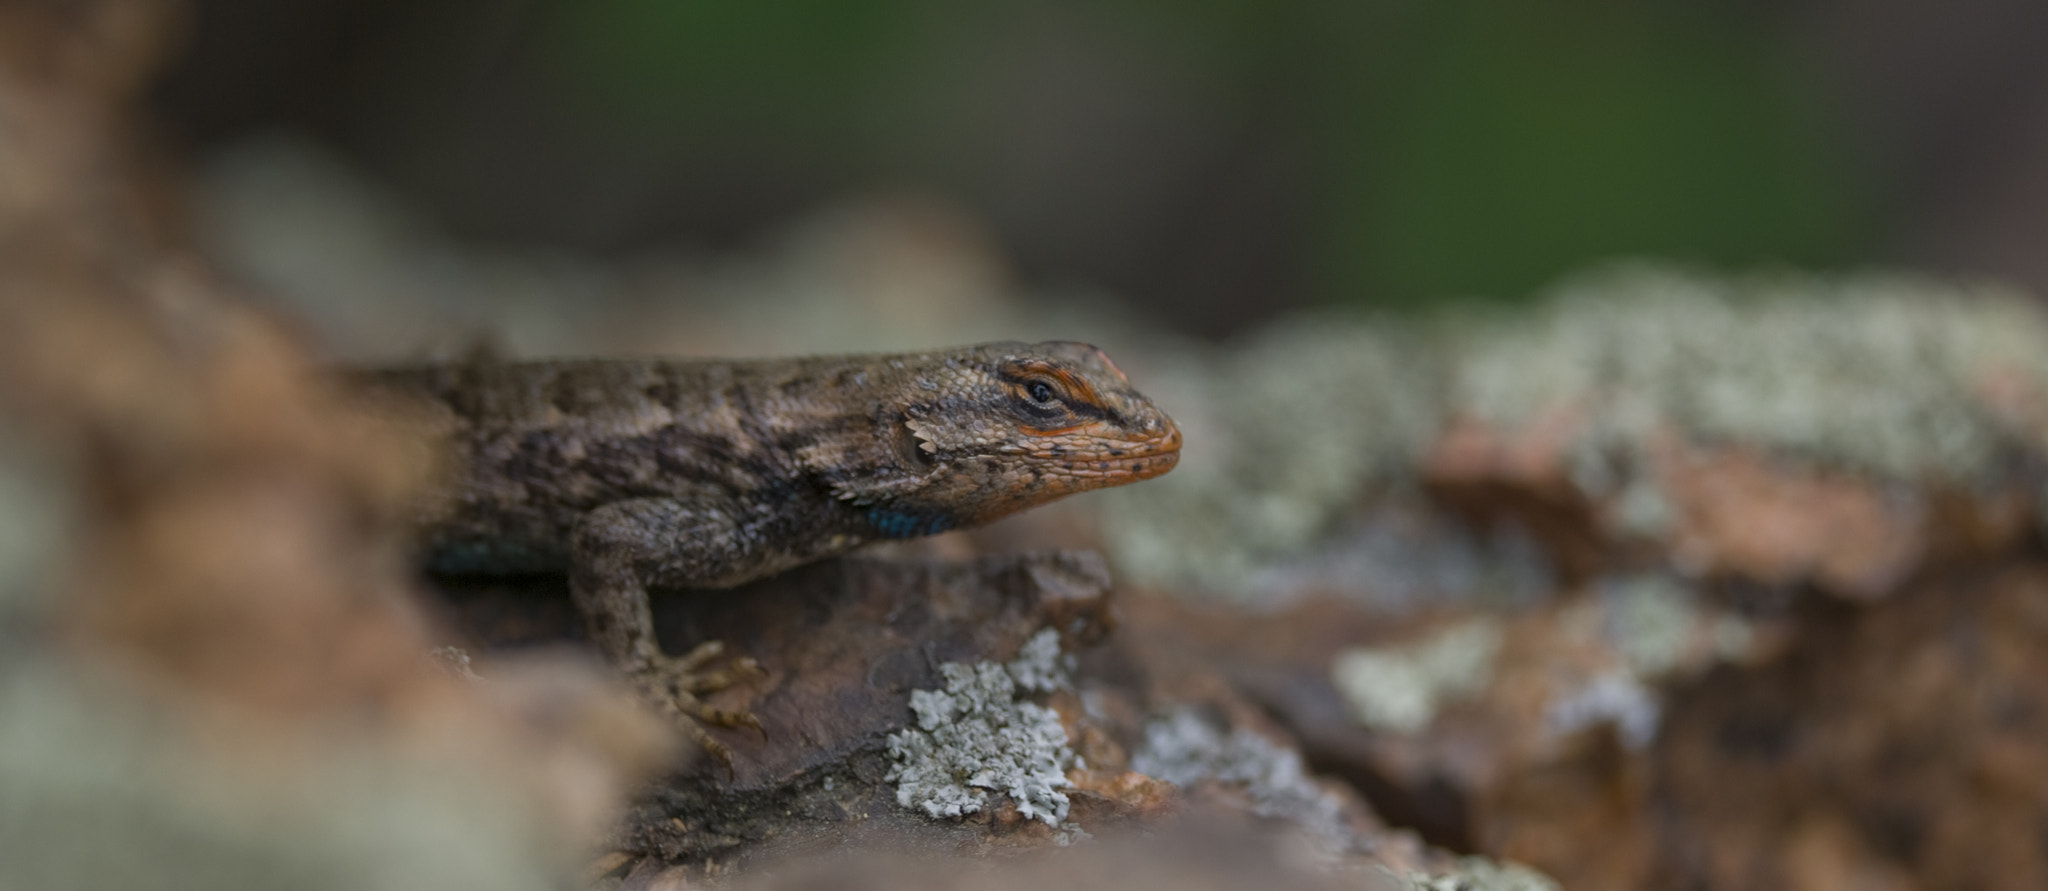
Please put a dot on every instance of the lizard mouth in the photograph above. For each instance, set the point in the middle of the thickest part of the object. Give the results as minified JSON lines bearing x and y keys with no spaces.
{"x":1125,"y":462}
{"x":1159,"y":456}
{"x":1145,"y":467}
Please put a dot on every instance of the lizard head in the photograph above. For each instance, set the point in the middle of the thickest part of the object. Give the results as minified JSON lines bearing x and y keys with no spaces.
{"x":993,"y":429}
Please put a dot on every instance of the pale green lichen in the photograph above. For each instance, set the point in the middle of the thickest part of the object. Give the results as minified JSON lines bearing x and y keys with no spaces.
{"x":1400,"y":556}
{"x":1660,"y":624}
{"x":1400,"y":688}
{"x":977,"y":736}
{"x":1185,"y":749}
{"x":1284,"y":433}
{"x":1872,"y":373}
{"x":1883,"y":375}
{"x":1041,"y":666}
{"x":1479,"y":874}
{"x":1657,"y":626}
{"x":1650,"y":619}
{"x":1374,"y":399}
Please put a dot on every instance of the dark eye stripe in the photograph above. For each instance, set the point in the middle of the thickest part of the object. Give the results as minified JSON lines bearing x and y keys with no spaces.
{"x":1054,"y":413}
{"x":1070,"y":405}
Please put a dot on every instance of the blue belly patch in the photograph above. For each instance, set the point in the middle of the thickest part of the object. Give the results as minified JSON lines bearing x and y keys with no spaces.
{"x":900,"y":524}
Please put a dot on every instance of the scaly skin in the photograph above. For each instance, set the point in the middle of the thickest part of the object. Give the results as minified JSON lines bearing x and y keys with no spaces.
{"x":632,"y":474}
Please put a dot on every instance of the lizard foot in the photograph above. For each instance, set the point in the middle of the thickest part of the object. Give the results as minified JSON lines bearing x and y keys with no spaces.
{"x":676,"y":684}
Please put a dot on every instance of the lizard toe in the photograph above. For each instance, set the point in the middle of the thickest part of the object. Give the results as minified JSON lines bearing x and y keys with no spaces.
{"x":675,"y":685}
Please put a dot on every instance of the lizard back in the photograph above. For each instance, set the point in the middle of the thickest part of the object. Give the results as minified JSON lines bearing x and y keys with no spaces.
{"x":814,"y":455}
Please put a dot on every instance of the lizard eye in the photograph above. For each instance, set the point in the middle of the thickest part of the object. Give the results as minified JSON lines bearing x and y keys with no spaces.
{"x":1040,"y":392}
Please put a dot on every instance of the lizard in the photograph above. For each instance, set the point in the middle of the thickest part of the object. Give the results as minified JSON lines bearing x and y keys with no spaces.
{"x":633,"y":474}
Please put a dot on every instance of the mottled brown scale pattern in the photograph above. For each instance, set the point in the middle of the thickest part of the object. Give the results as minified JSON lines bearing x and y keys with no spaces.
{"x":632,"y":474}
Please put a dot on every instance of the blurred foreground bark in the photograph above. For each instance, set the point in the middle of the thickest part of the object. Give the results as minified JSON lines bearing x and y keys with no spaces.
{"x":215,"y":673}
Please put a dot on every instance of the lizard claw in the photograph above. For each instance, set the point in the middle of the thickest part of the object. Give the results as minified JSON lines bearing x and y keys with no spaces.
{"x":676,"y":684}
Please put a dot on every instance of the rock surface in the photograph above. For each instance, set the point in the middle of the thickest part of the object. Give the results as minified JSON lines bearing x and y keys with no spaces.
{"x":855,"y":653}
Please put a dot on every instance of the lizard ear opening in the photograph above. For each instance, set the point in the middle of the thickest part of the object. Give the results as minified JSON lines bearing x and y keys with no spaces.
{"x":914,"y":449}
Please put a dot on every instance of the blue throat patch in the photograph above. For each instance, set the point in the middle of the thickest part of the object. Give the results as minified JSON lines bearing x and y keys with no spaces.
{"x":898,"y":524}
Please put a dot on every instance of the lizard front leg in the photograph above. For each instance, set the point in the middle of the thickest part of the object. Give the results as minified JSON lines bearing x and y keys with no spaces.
{"x":619,"y":549}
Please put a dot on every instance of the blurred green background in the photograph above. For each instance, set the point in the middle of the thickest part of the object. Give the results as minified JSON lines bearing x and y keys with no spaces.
{"x":1215,"y":161}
